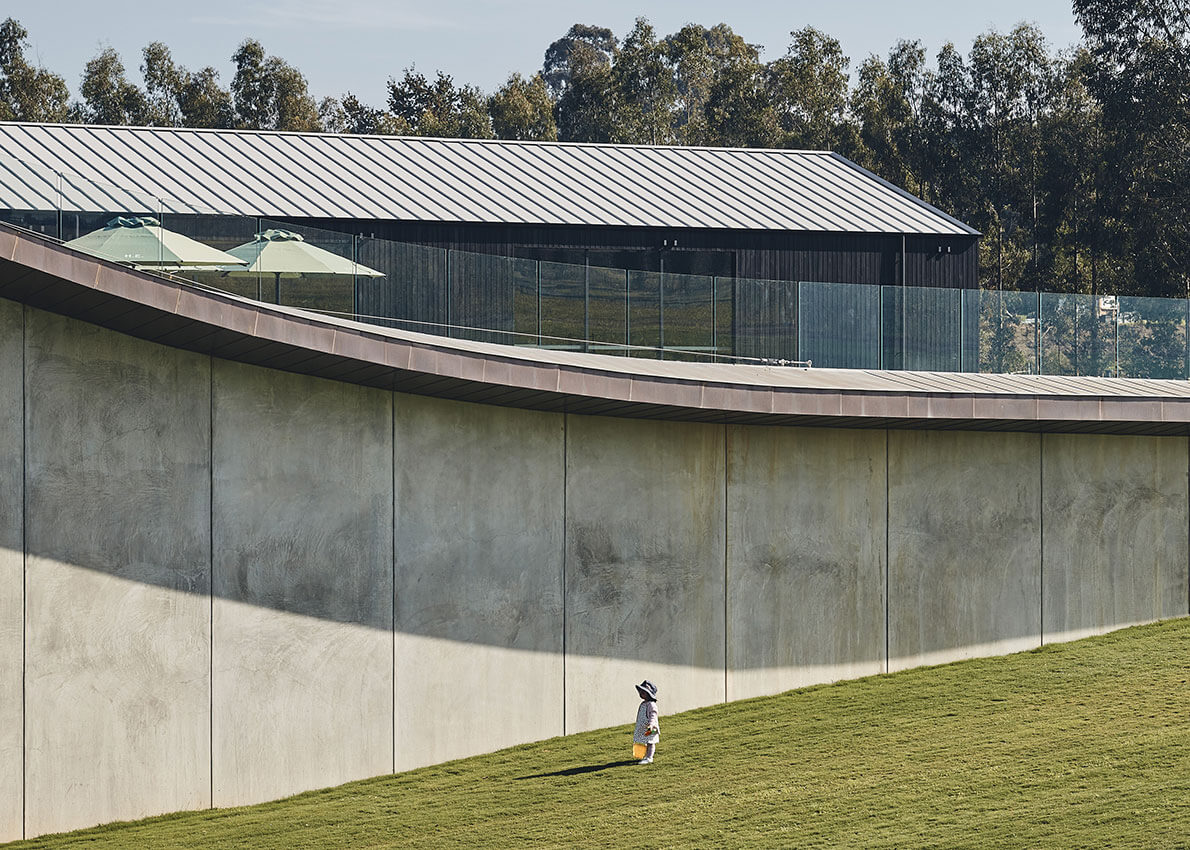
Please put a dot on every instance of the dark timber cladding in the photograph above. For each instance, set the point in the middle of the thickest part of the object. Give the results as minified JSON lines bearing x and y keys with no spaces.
{"x":935,"y":260}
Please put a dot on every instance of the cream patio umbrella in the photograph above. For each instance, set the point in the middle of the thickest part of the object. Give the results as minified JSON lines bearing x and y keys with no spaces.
{"x":284,"y":254}
{"x":143,"y":243}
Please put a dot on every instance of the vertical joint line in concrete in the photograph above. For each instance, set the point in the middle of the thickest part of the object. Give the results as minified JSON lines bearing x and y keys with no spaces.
{"x":887,"y":549}
{"x":565,"y":522}
{"x":726,"y":587}
{"x":393,"y":526}
{"x":24,"y":567}
{"x":211,"y":579}
{"x":1041,"y":534}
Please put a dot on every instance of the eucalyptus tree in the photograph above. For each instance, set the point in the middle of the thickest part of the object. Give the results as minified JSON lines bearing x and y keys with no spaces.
{"x":577,"y":71}
{"x":108,"y":96}
{"x":644,"y":89}
{"x":739,"y":109}
{"x":809,"y":90}
{"x":583,"y":46}
{"x":27,"y":92}
{"x":438,"y":108}
{"x":270,"y":94}
{"x":698,"y":57}
{"x":522,"y":110}
{"x":1141,"y":64}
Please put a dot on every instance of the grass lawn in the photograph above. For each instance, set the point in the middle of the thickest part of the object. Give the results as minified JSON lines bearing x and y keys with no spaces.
{"x":1084,"y":744}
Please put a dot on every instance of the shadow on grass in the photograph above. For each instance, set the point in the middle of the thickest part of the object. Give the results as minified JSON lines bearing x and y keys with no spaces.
{"x":576,"y":771}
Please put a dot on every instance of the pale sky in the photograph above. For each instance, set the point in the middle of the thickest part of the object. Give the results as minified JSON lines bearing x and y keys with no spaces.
{"x":356,"y":45}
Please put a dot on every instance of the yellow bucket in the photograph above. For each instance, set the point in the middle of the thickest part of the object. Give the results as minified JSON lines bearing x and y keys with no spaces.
{"x":638,"y":751}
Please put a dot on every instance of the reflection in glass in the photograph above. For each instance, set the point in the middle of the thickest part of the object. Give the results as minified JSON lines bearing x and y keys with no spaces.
{"x":689,"y":326}
{"x":1152,"y":337}
{"x":644,"y":312}
{"x":1077,"y":335}
{"x":922,"y":328}
{"x":563,"y":305}
{"x":1008,"y":332}
{"x":765,"y":319}
{"x":607,"y":310}
{"x":839,"y":325}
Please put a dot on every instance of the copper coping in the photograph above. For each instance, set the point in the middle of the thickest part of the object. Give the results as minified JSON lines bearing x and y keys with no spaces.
{"x":43,"y":274}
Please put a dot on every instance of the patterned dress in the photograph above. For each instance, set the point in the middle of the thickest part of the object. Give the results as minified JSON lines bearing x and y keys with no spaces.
{"x":646,"y":719}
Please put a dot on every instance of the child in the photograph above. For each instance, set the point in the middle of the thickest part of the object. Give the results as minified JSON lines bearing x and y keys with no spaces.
{"x":648,"y":730}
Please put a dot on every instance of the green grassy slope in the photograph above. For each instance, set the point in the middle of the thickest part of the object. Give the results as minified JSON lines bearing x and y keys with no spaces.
{"x":1075,"y":745}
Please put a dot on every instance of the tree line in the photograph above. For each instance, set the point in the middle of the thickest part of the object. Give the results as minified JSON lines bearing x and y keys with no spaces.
{"x":1072,"y":162}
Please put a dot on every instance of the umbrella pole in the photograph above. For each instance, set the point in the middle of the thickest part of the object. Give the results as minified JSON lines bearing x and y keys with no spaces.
{"x":259,"y":294}
{"x":277,"y":287}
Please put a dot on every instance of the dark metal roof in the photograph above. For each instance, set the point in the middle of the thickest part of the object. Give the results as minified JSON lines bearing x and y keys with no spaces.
{"x":311,"y":175}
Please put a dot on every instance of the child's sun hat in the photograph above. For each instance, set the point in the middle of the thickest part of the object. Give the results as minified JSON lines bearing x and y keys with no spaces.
{"x":647,"y":690}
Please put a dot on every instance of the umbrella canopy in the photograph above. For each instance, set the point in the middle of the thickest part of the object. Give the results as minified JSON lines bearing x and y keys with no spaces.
{"x":284,"y":254}
{"x":144,"y":243}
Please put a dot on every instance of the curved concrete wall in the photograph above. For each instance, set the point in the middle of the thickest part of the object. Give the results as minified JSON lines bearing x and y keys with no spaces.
{"x":221,"y":583}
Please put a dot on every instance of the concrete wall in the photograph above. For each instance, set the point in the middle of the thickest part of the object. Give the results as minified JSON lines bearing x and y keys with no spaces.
{"x":805,"y":557}
{"x":12,"y":569}
{"x":302,"y":673}
{"x":1115,"y":543}
{"x":117,"y":613}
{"x":479,"y":496}
{"x":230,"y":583}
{"x":964,"y":545}
{"x":645,"y":590}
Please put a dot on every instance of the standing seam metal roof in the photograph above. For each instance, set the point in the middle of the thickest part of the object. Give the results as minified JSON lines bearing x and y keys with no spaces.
{"x":262,"y":173}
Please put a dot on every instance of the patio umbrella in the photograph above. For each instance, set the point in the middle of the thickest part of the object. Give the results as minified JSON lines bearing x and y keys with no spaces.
{"x":145,"y":244}
{"x":283,"y":253}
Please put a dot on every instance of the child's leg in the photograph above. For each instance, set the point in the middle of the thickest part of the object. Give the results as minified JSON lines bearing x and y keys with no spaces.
{"x":649,"y":751}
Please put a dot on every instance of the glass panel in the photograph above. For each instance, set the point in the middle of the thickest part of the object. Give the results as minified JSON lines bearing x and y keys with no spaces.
{"x":607,"y":310}
{"x":970,"y":299}
{"x":724,"y":316}
{"x":84,"y":229}
{"x":689,"y":334}
{"x":1152,"y":337}
{"x":839,"y":325}
{"x":481,"y":296}
{"x":224,"y":232}
{"x":644,"y":313}
{"x":39,"y":222}
{"x":922,"y":328}
{"x":1008,"y":332}
{"x":304,"y":277}
{"x":412,"y":293}
{"x":1076,"y":337}
{"x":563,"y":295}
{"x":525,"y":309}
{"x":765,"y":319}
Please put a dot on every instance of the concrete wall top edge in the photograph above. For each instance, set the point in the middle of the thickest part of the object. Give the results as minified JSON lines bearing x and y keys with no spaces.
{"x":46,"y":275}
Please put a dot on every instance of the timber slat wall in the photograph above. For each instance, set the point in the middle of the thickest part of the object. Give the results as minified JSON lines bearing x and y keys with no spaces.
{"x":826,"y":257}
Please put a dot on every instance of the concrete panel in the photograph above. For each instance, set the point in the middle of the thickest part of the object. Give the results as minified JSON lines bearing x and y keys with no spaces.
{"x":645,"y":588}
{"x":1115,"y":532}
{"x":12,"y":567}
{"x":117,"y":605}
{"x":964,"y":542}
{"x":479,"y":530}
{"x":805,"y":557}
{"x":302,"y":624}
